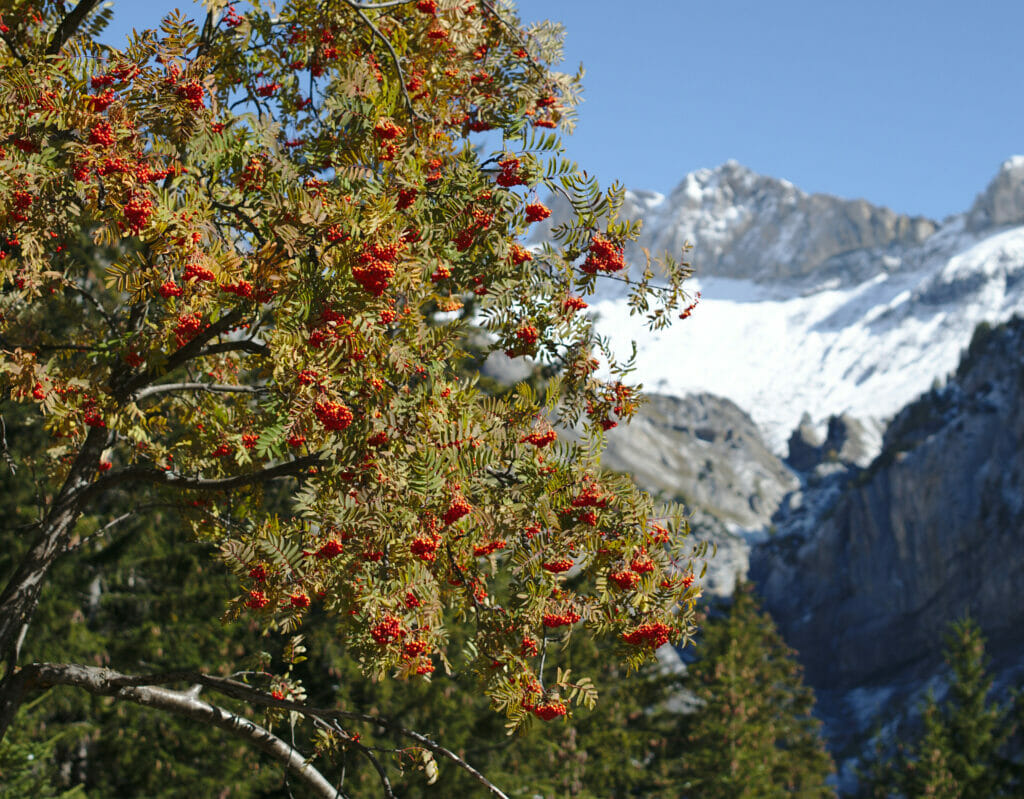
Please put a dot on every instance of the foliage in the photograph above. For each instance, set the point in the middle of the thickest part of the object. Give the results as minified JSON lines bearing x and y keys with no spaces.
{"x":236,"y":263}
{"x":139,"y":596}
{"x":963,"y":747}
{"x":754,"y":735}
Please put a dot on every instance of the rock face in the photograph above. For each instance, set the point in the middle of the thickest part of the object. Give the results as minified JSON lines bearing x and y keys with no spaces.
{"x":930,"y":531}
{"x":706,"y":452}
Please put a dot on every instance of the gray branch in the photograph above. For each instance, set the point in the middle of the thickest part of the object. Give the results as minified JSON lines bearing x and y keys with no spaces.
{"x":165,"y":388}
{"x":106,"y":682}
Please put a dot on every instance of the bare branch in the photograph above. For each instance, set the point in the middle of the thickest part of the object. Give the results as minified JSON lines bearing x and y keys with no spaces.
{"x":105,"y":682}
{"x":238,"y":212}
{"x":246,"y":693}
{"x":375,"y":6}
{"x":189,"y":351}
{"x":247,"y":345}
{"x":3,"y":447}
{"x":14,"y":51}
{"x":216,"y":388}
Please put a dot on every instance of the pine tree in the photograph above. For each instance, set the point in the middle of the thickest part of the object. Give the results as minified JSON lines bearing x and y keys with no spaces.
{"x":755,"y":735}
{"x":962,"y":749}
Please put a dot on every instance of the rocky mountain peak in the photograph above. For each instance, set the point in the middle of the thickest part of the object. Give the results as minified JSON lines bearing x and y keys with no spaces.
{"x":749,"y":226}
{"x":1002,"y":202}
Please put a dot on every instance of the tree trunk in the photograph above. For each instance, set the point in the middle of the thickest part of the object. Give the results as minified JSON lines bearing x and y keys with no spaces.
{"x":20,"y":596}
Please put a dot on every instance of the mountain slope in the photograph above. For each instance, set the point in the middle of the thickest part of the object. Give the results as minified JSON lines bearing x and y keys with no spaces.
{"x":819,"y":305}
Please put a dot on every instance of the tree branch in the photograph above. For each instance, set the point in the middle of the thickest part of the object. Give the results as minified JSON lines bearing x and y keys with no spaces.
{"x":165,"y":388}
{"x":144,"y":474}
{"x":246,"y":693}
{"x":69,"y":25}
{"x":191,"y":350}
{"x":105,"y":682}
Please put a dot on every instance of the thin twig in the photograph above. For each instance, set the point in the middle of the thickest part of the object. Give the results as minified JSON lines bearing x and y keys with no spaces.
{"x":143,"y":474}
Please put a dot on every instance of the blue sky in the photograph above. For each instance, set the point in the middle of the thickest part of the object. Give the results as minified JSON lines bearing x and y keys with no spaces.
{"x":906,"y":103}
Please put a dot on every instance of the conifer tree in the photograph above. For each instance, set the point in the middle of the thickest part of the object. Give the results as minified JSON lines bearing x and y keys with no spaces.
{"x":962,"y":749}
{"x":754,"y":735}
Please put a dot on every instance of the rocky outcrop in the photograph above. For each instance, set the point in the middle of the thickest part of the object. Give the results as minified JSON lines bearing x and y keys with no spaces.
{"x":705,"y":452}
{"x":930,"y":531}
{"x":848,"y":440}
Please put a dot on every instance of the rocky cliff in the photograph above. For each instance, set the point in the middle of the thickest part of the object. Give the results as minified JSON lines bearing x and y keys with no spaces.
{"x":931,"y":530}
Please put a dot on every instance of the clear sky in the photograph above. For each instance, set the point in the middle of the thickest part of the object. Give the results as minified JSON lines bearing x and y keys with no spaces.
{"x":907,"y":103}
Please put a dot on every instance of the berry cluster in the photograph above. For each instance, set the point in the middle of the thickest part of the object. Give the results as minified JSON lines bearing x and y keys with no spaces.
{"x":603,"y":256}
{"x":483,"y":550}
{"x":332,"y":415}
{"x":137,"y":212}
{"x":558,"y":566}
{"x":102,"y":134}
{"x":561,"y":619}
{"x":590,"y":497}
{"x":536,"y":212}
{"x":376,"y":267}
{"x":541,"y":439}
{"x":189,"y":326}
{"x":257,"y":600}
{"x":519,"y":255}
{"x":388,"y":630}
{"x":193,"y":93}
{"x":170,"y":289}
{"x":509,"y":175}
{"x":406,"y":197}
{"x":329,"y":549}
{"x":689,"y":308}
{"x":551,"y":709}
{"x":458,"y":508}
{"x":243,"y":288}
{"x":654,"y":634}
{"x":573,"y":304}
{"x":425,"y":546}
{"x":625,"y":579}
{"x":100,"y":102}
{"x":386,"y":132}
{"x":198,"y":272}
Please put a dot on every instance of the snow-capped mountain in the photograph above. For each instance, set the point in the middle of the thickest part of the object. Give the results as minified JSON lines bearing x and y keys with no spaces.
{"x":820,"y":305}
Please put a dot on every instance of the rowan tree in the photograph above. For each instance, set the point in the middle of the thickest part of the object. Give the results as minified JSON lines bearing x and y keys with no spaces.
{"x":235,"y":259}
